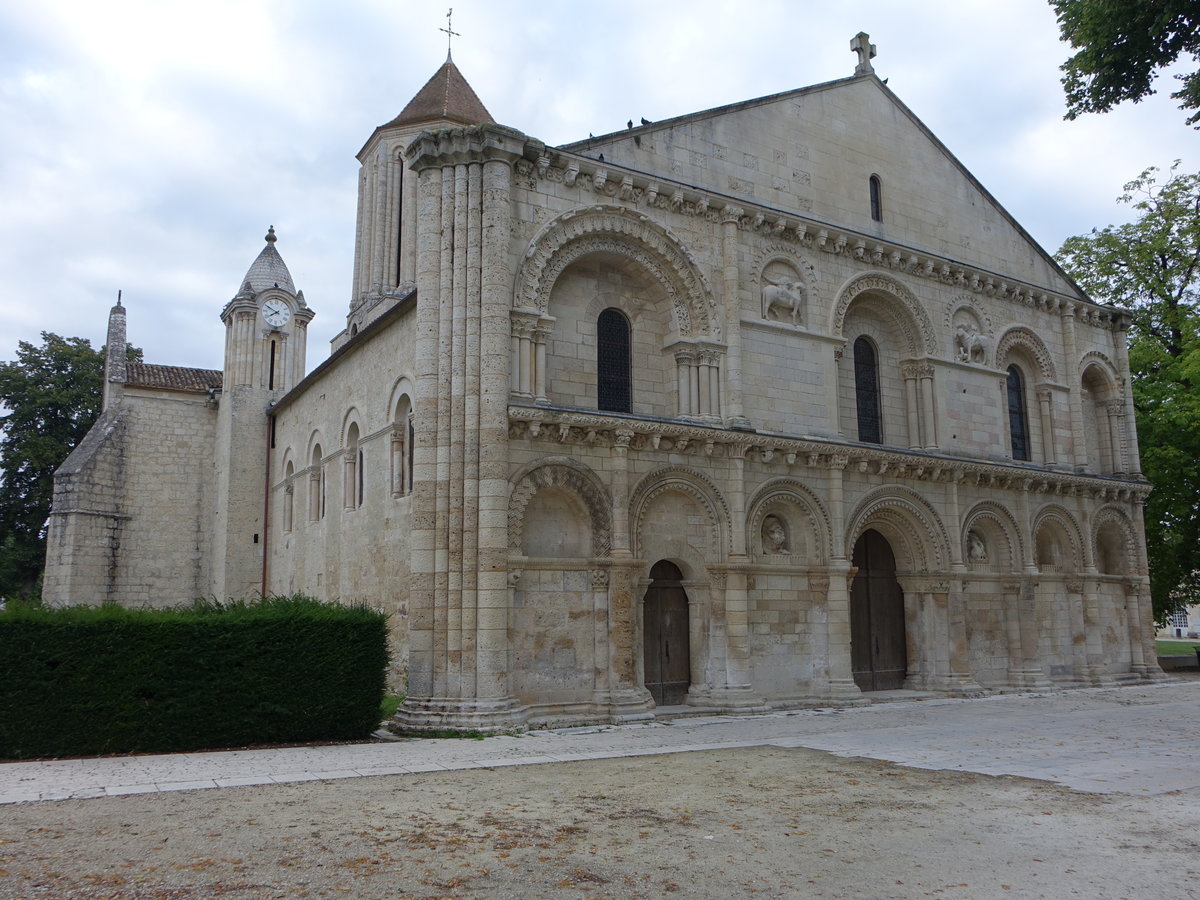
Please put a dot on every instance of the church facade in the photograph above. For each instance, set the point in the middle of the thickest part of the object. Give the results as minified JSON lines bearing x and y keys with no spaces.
{"x":767,"y":405}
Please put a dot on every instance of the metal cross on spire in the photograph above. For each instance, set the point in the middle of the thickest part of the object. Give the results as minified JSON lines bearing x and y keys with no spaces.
{"x":450,"y":32}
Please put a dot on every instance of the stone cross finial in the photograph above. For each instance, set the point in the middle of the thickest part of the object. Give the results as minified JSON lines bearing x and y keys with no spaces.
{"x":861,"y":44}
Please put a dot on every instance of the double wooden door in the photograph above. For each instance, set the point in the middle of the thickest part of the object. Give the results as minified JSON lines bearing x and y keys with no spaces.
{"x":878,"y":654}
{"x":666,"y":644}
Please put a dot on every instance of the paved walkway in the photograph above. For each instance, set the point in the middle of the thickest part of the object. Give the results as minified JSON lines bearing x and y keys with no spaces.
{"x":1136,"y":740}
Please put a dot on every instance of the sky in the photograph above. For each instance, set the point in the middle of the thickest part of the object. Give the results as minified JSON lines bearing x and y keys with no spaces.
{"x":146,"y":145}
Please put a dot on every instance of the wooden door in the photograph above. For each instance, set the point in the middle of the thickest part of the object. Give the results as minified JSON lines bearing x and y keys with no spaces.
{"x":878,"y":655}
{"x":665,"y":631}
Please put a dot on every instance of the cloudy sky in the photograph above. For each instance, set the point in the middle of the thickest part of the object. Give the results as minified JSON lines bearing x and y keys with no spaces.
{"x":146,"y":145}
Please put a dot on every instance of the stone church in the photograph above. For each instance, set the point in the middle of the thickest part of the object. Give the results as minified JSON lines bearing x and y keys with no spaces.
{"x":767,"y":405}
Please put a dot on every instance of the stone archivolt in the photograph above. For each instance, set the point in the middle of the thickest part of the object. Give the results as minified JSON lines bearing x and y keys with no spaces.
{"x":910,"y":315}
{"x":571,"y":475}
{"x":688,"y":481}
{"x":614,"y":230}
{"x":998,"y":523}
{"x":796,"y":496}
{"x":908,"y":521}
{"x":1020,"y":336}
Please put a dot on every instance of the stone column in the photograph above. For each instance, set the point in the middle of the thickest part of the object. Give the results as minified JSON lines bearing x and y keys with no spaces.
{"x":601,"y":685}
{"x":1092,"y":628}
{"x":929,"y":430}
{"x":1044,"y":397}
{"x":630,"y":701}
{"x":541,"y":335}
{"x":1115,"y":413}
{"x":730,"y":216}
{"x":683,"y":365}
{"x":1078,"y":631}
{"x":912,"y":403}
{"x":1010,"y":597}
{"x":842,"y":687}
{"x":818,"y":632}
{"x":1033,"y":675}
{"x":737,"y":691}
{"x":1078,"y":437}
{"x":1121,"y":348}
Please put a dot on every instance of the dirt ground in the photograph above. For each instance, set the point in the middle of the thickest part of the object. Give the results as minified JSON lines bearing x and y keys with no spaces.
{"x":753,"y":822}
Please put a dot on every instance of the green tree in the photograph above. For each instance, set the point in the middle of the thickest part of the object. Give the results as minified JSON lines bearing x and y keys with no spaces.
{"x":1121,"y":46}
{"x":50,"y":396}
{"x":1152,"y":266}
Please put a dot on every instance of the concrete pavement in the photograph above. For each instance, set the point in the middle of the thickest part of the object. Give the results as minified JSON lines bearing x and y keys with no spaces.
{"x":1136,"y":740}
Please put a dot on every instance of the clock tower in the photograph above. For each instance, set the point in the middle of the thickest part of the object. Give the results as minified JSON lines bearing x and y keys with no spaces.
{"x":266,"y":329}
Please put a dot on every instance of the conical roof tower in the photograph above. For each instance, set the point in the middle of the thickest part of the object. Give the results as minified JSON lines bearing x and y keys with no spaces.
{"x":384,"y":255}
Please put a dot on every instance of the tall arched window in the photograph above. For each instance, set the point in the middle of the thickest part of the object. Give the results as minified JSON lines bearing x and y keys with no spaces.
{"x":866,"y":391}
{"x":353,"y":484}
{"x":1018,"y":421}
{"x":289,"y":497}
{"x":876,"y":198}
{"x":402,"y":448}
{"x":316,"y":487}
{"x":613,"y":389}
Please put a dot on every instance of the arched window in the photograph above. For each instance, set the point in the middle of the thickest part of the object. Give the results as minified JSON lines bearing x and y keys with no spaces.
{"x":1018,"y":421}
{"x":289,"y":497}
{"x":866,"y":391}
{"x":612,"y":362}
{"x":353,"y":485}
{"x":402,"y":448}
{"x":316,"y":487}
{"x":876,"y":198}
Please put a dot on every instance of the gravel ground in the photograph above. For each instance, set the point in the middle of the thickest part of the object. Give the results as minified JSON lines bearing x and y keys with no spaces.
{"x":764,"y":822}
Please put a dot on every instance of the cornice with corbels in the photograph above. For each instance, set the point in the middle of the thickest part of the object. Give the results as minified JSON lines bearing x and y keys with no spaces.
{"x":567,"y":427}
{"x":611,"y":181}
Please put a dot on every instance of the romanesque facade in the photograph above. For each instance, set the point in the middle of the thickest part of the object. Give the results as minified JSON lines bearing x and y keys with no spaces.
{"x":766,"y":405}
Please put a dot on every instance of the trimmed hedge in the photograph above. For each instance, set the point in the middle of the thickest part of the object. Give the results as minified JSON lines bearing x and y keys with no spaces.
{"x":80,"y":680}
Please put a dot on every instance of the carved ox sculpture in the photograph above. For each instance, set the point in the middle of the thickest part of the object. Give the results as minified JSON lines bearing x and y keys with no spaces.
{"x":785,"y":295}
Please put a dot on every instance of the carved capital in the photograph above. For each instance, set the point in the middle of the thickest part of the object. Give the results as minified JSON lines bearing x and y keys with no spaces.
{"x":599,"y":579}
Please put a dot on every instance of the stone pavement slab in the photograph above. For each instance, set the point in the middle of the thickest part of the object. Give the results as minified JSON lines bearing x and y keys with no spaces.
{"x":1136,"y":740}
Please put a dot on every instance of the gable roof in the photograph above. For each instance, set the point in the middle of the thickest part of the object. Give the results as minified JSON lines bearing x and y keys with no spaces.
{"x":171,"y":378}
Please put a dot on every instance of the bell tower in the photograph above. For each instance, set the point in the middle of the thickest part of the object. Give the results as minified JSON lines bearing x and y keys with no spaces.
{"x":266,"y":331}
{"x":385,"y":253}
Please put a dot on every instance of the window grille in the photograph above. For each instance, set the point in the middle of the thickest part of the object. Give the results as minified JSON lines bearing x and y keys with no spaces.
{"x":613,"y":388}
{"x":866,"y":392}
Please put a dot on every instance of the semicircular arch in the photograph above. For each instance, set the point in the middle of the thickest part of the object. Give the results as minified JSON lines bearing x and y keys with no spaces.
{"x":572,"y":476}
{"x":907,"y":311}
{"x":909,"y":522}
{"x":613,"y":230}
{"x":1028,"y":340}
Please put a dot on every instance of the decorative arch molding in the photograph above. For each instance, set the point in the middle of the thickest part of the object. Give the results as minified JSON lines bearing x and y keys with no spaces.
{"x":315,"y":440}
{"x":792,"y":491}
{"x":569,"y":475}
{"x":611,"y":229}
{"x":906,"y":519}
{"x":1058,"y":517}
{"x":971,"y":304}
{"x":1027,"y":339}
{"x":909,"y":312}
{"x":684,"y":480}
{"x":1104,"y":363}
{"x":352,"y":417}
{"x":401,"y":386}
{"x":1114,"y":516}
{"x":996,"y":520}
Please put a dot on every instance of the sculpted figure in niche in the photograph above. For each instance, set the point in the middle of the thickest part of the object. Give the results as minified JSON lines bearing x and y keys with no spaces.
{"x":774,"y":536}
{"x":969,"y":344}
{"x":783,"y":297}
{"x":976,"y":549}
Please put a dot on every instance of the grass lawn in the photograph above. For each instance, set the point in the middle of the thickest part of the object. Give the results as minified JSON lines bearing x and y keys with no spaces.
{"x":1176,"y":648}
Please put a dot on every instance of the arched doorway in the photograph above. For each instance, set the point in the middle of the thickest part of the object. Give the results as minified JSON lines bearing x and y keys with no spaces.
{"x":665,"y":635}
{"x":878,"y":656}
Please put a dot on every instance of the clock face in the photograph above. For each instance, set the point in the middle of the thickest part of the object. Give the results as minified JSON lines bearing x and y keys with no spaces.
{"x":276,"y":313}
